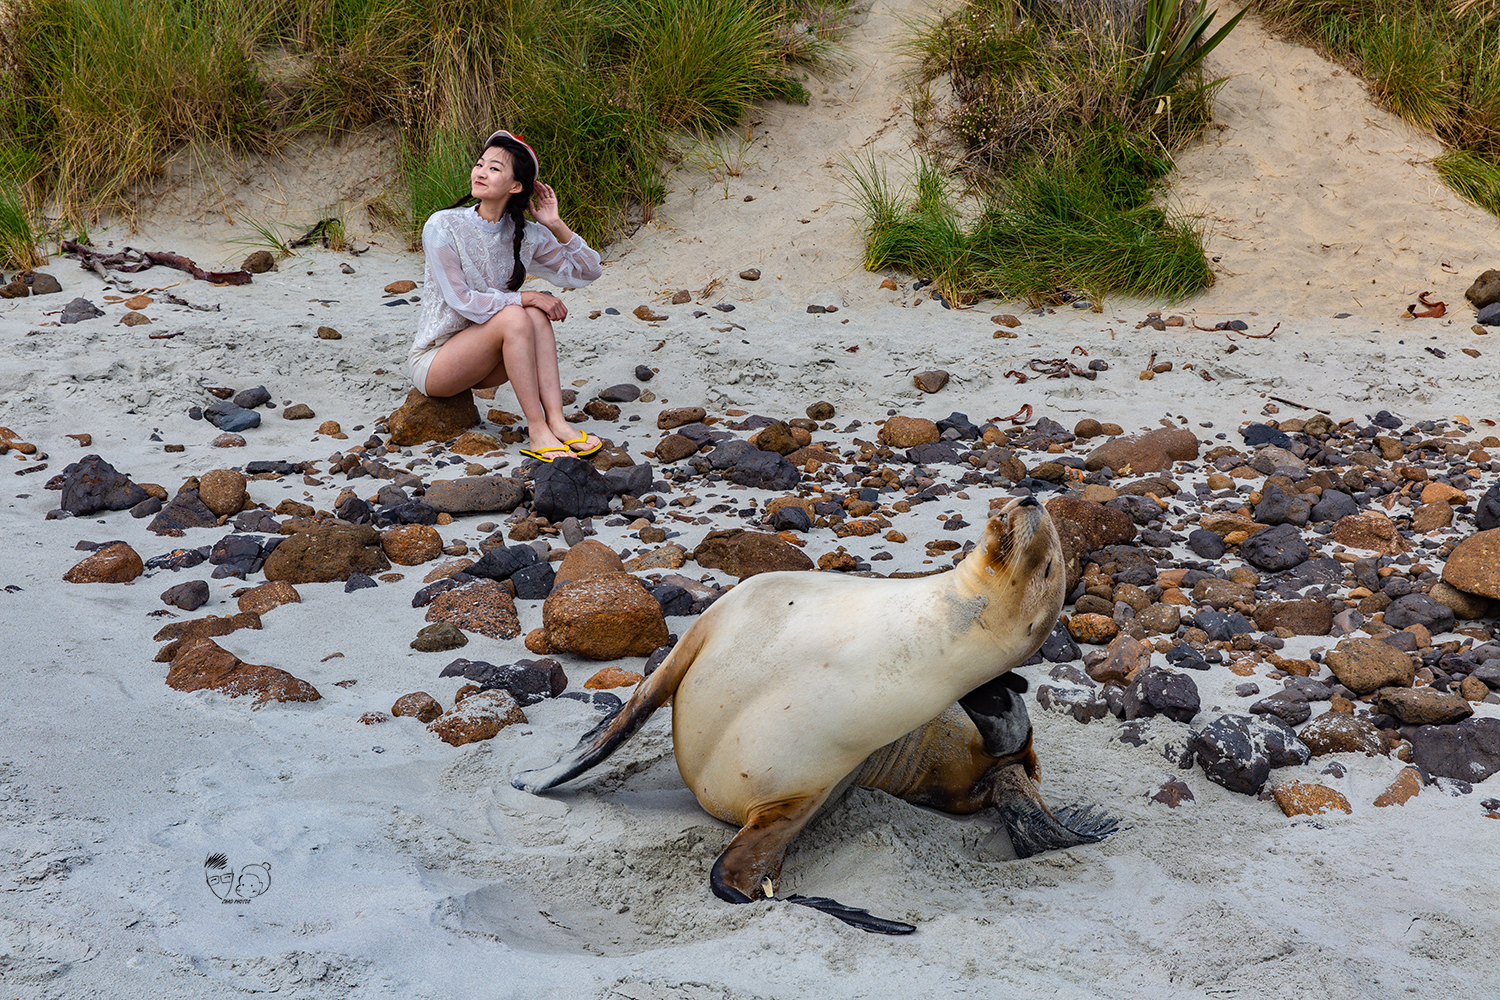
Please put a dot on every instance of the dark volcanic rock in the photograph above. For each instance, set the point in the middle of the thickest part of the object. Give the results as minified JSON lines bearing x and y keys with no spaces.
{"x":528,"y":681}
{"x":1205,"y":544}
{"x":1222,"y":627}
{"x":185,"y":510}
{"x":188,"y":596}
{"x":1238,"y":751}
{"x":1487,"y":510}
{"x":746,"y":553}
{"x":474,"y":494}
{"x":1257,"y":434}
{"x":228,"y":416}
{"x":1276,"y":548}
{"x":1333,"y":504}
{"x":765,"y":470}
{"x":1419,"y":609}
{"x":79,"y":310}
{"x":1166,"y":692}
{"x":251,"y":398}
{"x":1468,"y":751}
{"x":500,"y":562}
{"x":92,"y":484}
{"x":1279,"y":507}
{"x":570,"y":487}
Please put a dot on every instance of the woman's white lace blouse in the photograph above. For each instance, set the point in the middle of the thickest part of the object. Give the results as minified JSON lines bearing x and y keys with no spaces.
{"x":469,"y":264}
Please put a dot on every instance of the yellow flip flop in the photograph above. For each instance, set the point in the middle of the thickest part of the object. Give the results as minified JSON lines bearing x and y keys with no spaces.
{"x":577,"y":440}
{"x":541,"y":453}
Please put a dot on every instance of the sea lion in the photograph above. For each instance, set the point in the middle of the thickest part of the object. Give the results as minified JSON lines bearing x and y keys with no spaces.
{"x":794,"y":686}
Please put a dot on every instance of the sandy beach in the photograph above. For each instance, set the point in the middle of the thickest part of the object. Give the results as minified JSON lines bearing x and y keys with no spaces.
{"x":393,"y":864}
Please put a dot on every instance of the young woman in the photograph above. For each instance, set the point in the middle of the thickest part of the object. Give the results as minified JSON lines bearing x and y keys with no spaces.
{"x":478,"y":329}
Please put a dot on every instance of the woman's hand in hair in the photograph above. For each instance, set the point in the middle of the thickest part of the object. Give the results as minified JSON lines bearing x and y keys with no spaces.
{"x":544,"y":206}
{"x":551,"y":305}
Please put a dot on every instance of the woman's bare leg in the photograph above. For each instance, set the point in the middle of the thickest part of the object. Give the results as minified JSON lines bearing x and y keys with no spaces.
{"x":549,"y":380}
{"x":501,"y":349}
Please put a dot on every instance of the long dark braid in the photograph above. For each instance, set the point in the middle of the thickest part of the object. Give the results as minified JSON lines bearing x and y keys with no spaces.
{"x":523,"y":168}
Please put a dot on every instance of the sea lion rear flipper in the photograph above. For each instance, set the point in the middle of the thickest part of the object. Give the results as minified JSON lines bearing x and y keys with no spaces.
{"x":601,"y":741}
{"x":1034,"y":828}
{"x":749,"y":866}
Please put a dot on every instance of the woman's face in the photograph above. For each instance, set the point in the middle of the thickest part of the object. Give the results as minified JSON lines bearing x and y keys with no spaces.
{"x":493,"y":177}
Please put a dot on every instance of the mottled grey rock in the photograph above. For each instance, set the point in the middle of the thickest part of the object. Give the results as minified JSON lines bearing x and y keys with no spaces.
{"x":1419,"y":609}
{"x":91,"y":484}
{"x":570,"y":487}
{"x":1276,"y":548}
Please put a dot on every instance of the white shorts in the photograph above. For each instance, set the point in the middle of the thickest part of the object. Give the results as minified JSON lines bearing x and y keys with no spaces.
{"x":419,"y":361}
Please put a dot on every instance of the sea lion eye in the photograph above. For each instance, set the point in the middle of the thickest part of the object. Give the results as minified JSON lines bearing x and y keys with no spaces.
{"x":1048,"y":571}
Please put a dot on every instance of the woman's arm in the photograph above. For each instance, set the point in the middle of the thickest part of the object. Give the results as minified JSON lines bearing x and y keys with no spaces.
{"x":473,"y":304}
{"x":564,"y":259}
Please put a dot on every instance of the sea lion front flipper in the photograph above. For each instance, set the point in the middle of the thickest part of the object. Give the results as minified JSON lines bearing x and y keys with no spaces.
{"x":601,"y":741}
{"x":1034,"y":828}
{"x":999,"y":713}
{"x":750,"y":865}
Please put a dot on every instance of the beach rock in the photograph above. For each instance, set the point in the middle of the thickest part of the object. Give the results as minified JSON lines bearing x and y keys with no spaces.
{"x":1371,"y":530}
{"x":1419,"y":609}
{"x":569,"y":487}
{"x":625,"y":392}
{"x":112,"y":563}
{"x":600,"y":410}
{"x":908,"y":432}
{"x":427,"y":418}
{"x":678,"y":416}
{"x":1334,"y":505}
{"x":267,"y":597}
{"x":820,"y":411}
{"x":178,"y":635}
{"x":411,"y":544}
{"x":500,"y":562}
{"x":228,"y":441}
{"x":78,"y":310}
{"x":1165,"y":692}
{"x":1279,"y":507}
{"x":249,"y":399}
{"x":485,"y":607}
{"x":1487,"y":510}
{"x":1159,"y":619}
{"x":329,"y":333}
{"x":1101,"y":525}
{"x":240,"y":555}
{"x":259,"y":262}
{"x":1406,"y":787}
{"x":1313,"y":616}
{"x":604,"y":618}
{"x":1238,"y":751}
{"x":1367,"y":665}
{"x":91,"y":484}
{"x":765,"y":470}
{"x":1341,"y":732}
{"x":1220,"y":626}
{"x":1286,"y":706}
{"x":1423,"y":706}
{"x":438,"y":637}
{"x":1474,"y":565}
{"x":222,"y":491}
{"x":1485,"y":290}
{"x":298,"y":411}
{"x":744,"y":554}
{"x":528,"y":681}
{"x":1205,"y":544}
{"x":185,"y":510}
{"x":1277,"y":548}
{"x":674,"y":448}
{"x":418,"y":705}
{"x":612,"y":677}
{"x":1152,"y":452}
{"x":1092,"y":629}
{"x":1488,"y":316}
{"x":588,"y":559}
{"x":1468,"y":751}
{"x":1465,"y":606}
{"x":1297,"y":799}
{"x":776,"y":437}
{"x":204,"y":664}
{"x":1083,"y":704}
{"x":229,"y":417}
{"x":475,"y":495}
{"x":188,"y":596}
{"x":473,"y":443}
{"x":323,"y":553}
{"x":43,"y":283}
{"x":478,"y":717}
{"x":930,"y":381}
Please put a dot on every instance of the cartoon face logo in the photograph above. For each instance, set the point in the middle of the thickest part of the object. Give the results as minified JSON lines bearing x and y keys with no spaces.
{"x":219,"y":875}
{"x":253,"y":880}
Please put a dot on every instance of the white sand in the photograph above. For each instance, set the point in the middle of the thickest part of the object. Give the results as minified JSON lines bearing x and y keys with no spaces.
{"x":416,"y":871}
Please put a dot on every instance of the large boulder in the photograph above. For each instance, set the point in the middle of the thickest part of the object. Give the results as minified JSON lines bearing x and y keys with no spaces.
{"x":908,"y":432}
{"x":115,"y":562}
{"x":1276,"y":548}
{"x":746,"y":553}
{"x":1419,"y":609}
{"x":604,"y":618}
{"x":1367,"y":665}
{"x":92,"y":484}
{"x":223,"y":491}
{"x":485,"y":607}
{"x":429,"y":418}
{"x":1101,"y":525}
{"x":1152,"y":452}
{"x":475,"y":495}
{"x":1474,"y":566}
{"x":322,"y":553}
{"x":1468,"y":751}
{"x":1239,"y":751}
{"x":206,"y":664}
{"x":569,"y":487}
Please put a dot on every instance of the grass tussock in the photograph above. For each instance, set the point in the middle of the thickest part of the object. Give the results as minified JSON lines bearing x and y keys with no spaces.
{"x":1435,"y":63}
{"x":1065,"y":114}
{"x":19,"y":236}
{"x":96,"y":94}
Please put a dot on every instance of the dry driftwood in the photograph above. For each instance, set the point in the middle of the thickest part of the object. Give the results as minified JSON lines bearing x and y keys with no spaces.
{"x":129,"y":261}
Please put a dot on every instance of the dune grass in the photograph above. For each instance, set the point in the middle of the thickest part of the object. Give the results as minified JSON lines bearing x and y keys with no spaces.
{"x":1064,"y":118}
{"x":1435,"y":63}
{"x":20,"y":239}
{"x":96,"y":95}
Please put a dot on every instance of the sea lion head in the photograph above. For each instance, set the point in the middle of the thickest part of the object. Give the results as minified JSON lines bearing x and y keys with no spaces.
{"x":1018,"y":568}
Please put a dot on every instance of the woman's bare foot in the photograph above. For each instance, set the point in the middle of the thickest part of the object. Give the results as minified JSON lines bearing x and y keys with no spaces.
{"x":589,"y":444}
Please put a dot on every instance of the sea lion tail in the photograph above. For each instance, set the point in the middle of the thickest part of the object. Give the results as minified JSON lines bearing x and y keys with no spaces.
{"x":601,"y":741}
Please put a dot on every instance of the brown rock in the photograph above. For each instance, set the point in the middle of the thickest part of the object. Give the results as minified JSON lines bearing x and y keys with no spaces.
{"x":1474,"y":565}
{"x":298,"y":411}
{"x":669,"y":556}
{"x":1086,"y":428}
{"x":1341,"y":732}
{"x":178,"y":634}
{"x":837,"y":562}
{"x":1485,"y":290}
{"x":411,"y":544}
{"x":646,"y":315}
{"x":322,"y":553}
{"x":329,"y":333}
{"x":1463,"y":605}
{"x":1366,"y":665}
{"x":223,"y":491}
{"x":112,"y":563}
{"x":908,"y":432}
{"x":1220,"y":591}
{"x":206,"y":664}
{"x":1423,"y":706}
{"x":474,"y":494}
{"x":776,"y":437}
{"x":1407,"y":786}
{"x":678,"y":415}
{"x":1159,"y":619}
{"x":1297,"y":799}
{"x":604,"y":618}
{"x":474,"y":443}
{"x":401,"y":287}
{"x":1371,"y":530}
{"x":674,"y":448}
{"x":1075,"y":549}
{"x":1225,"y":525}
{"x":746,"y":553}
{"x":1101,"y":525}
{"x":1124,"y":657}
{"x":267,"y":596}
{"x":586,"y":560}
{"x":1152,"y":452}
{"x":1092,"y":629}
{"x":612,"y":677}
{"x":1313,"y":616}
{"x":536,"y":641}
{"x":930,"y":381}
{"x":418,"y":705}
{"x":426,"y":418}
{"x":601,"y":409}
{"x":1431,"y":517}
{"x":485,"y":607}
{"x":1473,"y":689}
{"x":480,"y":716}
